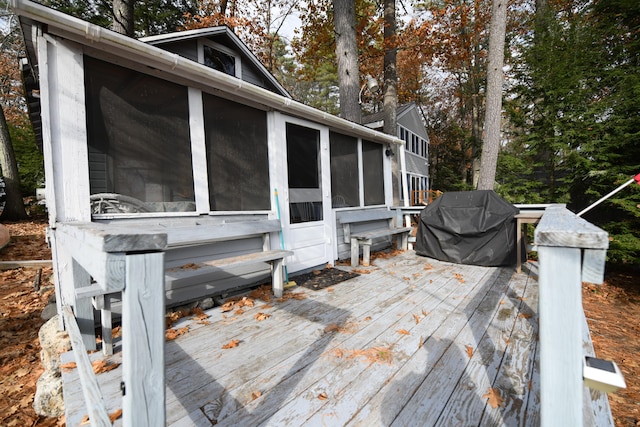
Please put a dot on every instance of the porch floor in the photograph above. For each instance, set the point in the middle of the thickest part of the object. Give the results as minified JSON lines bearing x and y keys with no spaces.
{"x":415,"y":342}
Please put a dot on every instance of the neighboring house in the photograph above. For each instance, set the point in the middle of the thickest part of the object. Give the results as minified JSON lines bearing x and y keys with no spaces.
{"x":191,"y":125}
{"x":412,"y":131}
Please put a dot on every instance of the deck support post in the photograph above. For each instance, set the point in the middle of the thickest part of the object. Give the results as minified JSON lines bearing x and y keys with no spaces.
{"x":83,"y":307}
{"x":143,"y":340}
{"x":560,"y":300}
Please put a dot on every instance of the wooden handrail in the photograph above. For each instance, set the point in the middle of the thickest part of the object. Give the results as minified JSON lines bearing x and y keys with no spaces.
{"x":96,"y":407}
{"x":131,"y":260}
{"x":570,"y":251}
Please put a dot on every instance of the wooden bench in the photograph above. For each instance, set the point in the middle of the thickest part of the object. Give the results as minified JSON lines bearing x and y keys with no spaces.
{"x":194,"y":234}
{"x":366,"y":238}
{"x":201,"y":270}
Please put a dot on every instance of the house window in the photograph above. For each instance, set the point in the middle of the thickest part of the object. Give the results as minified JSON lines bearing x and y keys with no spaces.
{"x":138,"y":140}
{"x":344,"y":170}
{"x":373,"y":176}
{"x":237,"y":155}
{"x":219,"y":57}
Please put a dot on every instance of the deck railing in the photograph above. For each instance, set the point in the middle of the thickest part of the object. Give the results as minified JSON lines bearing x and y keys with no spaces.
{"x":570,"y":251}
{"x":131,"y":261}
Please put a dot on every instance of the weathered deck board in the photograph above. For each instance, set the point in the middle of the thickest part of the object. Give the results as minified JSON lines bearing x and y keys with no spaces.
{"x":298,"y":367}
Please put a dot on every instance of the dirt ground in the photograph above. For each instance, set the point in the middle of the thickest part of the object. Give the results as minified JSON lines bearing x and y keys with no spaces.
{"x":612,"y":310}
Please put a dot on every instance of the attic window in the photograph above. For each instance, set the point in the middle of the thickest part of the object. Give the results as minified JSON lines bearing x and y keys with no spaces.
{"x":220,"y":58}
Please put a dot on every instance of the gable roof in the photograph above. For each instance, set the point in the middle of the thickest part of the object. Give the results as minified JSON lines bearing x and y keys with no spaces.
{"x":378,"y":116}
{"x":175,"y":67}
{"x":230,"y":37}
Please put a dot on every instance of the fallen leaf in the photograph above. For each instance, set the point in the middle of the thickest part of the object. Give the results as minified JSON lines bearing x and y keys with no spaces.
{"x":525,"y":315}
{"x":172,"y":317}
{"x":22,"y":372}
{"x":331,"y":327}
{"x":227,"y":306}
{"x":322,"y":396}
{"x":261,"y":316}
{"x":469,"y":351}
{"x":425,"y":313}
{"x":101,"y":366}
{"x":371,"y":355}
{"x":403,"y":332}
{"x":85,"y":420}
{"x":115,"y":415}
{"x":199,"y":315}
{"x":255,"y":395}
{"x":459,"y":277}
{"x":428,"y":267}
{"x":494,"y":397}
{"x":172,"y":334}
{"x":417,"y":318}
{"x":26,"y":401}
{"x":338,"y":352}
{"x":68,"y":366}
{"x":231,"y":344}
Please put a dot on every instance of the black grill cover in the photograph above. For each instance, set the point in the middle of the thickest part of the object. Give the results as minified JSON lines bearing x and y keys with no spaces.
{"x":468,"y":227}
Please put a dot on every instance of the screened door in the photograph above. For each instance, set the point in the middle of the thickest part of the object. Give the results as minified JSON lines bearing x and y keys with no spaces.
{"x":308,"y":203}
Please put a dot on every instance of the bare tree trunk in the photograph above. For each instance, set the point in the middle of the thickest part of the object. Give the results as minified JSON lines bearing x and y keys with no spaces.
{"x":493,"y":112}
{"x":390,"y":98}
{"x":123,"y":17}
{"x":344,"y":17}
{"x":14,"y":206}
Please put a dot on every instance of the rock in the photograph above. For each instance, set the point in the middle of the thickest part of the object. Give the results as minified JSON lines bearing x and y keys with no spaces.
{"x":206,"y":303}
{"x":49,"y":311}
{"x":53,"y":342}
{"x":48,"y":401}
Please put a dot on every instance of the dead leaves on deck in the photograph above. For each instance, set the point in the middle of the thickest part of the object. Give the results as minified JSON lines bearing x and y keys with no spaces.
{"x":494,"y":398}
{"x":231,"y":344}
{"x":345,"y":328}
{"x":171,"y":334}
{"x":236,"y":305}
{"x":261,"y":316}
{"x":469,"y":351}
{"x":112,"y":417}
{"x":370,"y":355}
{"x":101,"y":366}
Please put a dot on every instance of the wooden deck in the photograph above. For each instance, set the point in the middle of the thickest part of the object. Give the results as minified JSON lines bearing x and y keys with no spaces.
{"x":417,"y":342}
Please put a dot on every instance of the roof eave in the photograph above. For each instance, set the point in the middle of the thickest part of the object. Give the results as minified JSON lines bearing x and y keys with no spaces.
{"x":102,"y":39}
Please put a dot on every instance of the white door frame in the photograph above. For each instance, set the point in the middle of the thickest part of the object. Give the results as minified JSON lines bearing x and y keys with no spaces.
{"x":321,"y":234}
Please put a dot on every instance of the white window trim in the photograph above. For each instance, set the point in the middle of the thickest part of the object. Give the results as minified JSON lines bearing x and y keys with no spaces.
{"x":223,"y":49}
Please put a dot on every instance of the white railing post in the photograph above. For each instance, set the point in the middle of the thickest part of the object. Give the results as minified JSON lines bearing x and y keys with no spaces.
{"x":560,"y":311}
{"x":143,"y":341}
{"x":561,"y":237}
